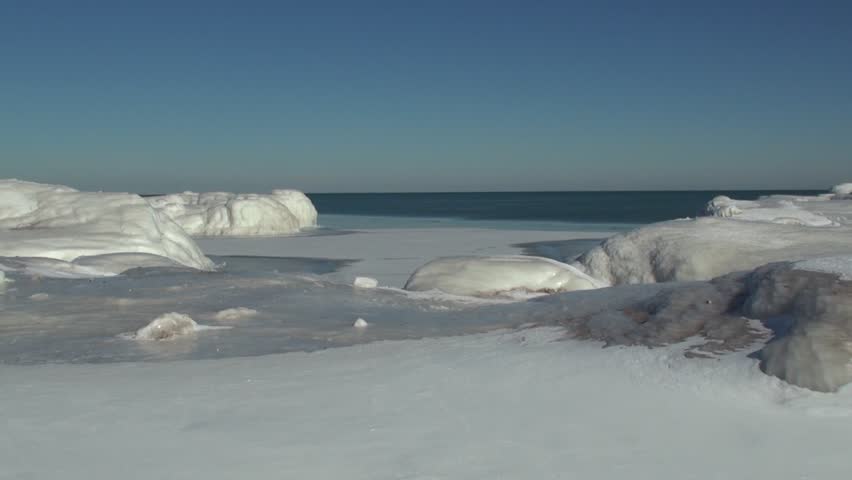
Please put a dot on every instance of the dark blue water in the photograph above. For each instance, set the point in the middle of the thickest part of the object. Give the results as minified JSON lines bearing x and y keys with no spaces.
{"x":573,"y":207}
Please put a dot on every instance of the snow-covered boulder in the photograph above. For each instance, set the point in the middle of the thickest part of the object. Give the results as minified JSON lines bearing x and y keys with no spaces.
{"x":60,"y":223}
{"x":229,"y":214}
{"x":486,"y":276}
{"x":705,"y":248}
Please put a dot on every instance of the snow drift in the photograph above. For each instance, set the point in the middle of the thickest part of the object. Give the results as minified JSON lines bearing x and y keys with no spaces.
{"x":63,"y":224}
{"x":705,"y":248}
{"x":829,"y":209}
{"x":229,"y":214}
{"x":485,"y":276}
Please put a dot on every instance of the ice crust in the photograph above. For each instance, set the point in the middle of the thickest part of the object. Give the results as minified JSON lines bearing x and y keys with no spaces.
{"x":485,"y":276}
{"x":56,"y":222}
{"x":245,"y":214}
{"x":830,"y":209}
{"x":168,"y":326}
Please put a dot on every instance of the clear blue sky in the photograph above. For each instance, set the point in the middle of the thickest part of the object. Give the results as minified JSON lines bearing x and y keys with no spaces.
{"x":388,"y":96}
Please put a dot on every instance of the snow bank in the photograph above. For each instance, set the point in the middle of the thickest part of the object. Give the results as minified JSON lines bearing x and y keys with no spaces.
{"x":485,"y":276}
{"x":60,"y":223}
{"x":705,"y":248}
{"x":244,"y":214}
{"x":818,"y":211}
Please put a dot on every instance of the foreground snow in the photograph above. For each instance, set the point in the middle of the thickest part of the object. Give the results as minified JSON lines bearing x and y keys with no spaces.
{"x":74,"y":230}
{"x":229,"y":214}
{"x":517,"y":405}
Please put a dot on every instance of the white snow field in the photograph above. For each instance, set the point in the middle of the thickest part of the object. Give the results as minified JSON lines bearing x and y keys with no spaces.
{"x":487,"y":276}
{"x":829,"y":209}
{"x":294,"y":358}
{"x":281,"y":212}
{"x":501,"y":405}
{"x":88,"y":232}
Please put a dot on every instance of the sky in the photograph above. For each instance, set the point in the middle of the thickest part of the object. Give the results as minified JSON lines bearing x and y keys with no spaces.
{"x":362,"y":96}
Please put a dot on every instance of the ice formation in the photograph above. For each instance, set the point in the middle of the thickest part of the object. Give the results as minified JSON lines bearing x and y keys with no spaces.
{"x":484,"y":276}
{"x":830,"y":209}
{"x":842,"y":190}
{"x":360,"y":323}
{"x":705,"y":248}
{"x":168,"y":326}
{"x":245,"y":214}
{"x":232,"y":314}
{"x":56,"y":222}
{"x":365,"y":282}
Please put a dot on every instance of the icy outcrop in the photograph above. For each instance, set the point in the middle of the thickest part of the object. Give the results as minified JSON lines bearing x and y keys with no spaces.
{"x":826,"y":210}
{"x":360,"y":323}
{"x":60,"y":223}
{"x":229,"y":214}
{"x":705,"y":248}
{"x":167,"y":327}
{"x":487,"y":276}
{"x":842,"y":190}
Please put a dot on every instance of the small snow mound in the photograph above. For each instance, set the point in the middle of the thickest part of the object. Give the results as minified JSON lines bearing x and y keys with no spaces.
{"x":722,"y":206}
{"x":39,"y":297}
{"x":360,"y":323}
{"x":365,"y":282}
{"x":231,"y":314}
{"x":167,"y":327}
{"x":499,"y":275}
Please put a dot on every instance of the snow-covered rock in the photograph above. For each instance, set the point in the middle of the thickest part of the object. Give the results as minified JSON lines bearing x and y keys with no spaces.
{"x":229,"y":214}
{"x":826,"y":210}
{"x":705,"y":248}
{"x":60,"y":223}
{"x":486,"y":276}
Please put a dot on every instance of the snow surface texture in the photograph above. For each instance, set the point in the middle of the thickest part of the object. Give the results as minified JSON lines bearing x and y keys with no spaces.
{"x":513,"y":406}
{"x":228,"y":214}
{"x":826,"y":210}
{"x":840,"y":266}
{"x":705,"y":248}
{"x":234,"y":314}
{"x":59,"y":223}
{"x":486,"y":276}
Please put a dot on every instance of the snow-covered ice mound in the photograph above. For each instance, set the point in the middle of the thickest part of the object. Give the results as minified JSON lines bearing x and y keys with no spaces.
{"x":707,"y":247}
{"x":229,"y":214}
{"x":60,"y":223}
{"x":825,"y":210}
{"x":486,"y":276}
{"x":167,"y":327}
{"x":842,"y":190}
